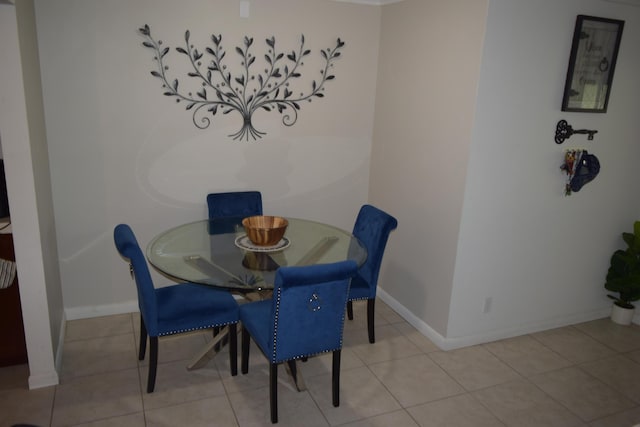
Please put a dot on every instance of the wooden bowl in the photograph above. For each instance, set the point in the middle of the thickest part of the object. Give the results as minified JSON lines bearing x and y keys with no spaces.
{"x":265,"y":230}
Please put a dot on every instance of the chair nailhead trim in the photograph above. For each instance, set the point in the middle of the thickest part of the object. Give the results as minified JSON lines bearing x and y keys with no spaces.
{"x":275,"y":330}
{"x":181,"y":331}
{"x":275,"y":325}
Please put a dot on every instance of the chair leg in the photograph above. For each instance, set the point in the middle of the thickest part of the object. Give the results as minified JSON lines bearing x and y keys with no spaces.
{"x":245,"y":351}
{"x":335,"y":378}
{"x":216,"y":331}
{"x":296,"y":375}
{"x":143,"y":339}
{"x":350,"y":310}
{"x":233,"y":349}
{"x":153,"y":363}
{"x":371,"y":305}
{"x":273,"y":391}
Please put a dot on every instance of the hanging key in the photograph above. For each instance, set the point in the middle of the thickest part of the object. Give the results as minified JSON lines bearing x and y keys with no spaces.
{"x":564,"y":131}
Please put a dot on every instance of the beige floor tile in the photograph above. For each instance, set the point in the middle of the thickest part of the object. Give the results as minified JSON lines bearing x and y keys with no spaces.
{"x":474,"y":367}
{"x":259,"y":368}
{"x":360,"y":316}
{"x":618,"y":337}
{"x":516,"y":382}
{"x":362,"y":395}
{"x":132,"y":420}
{"x":97,"y":397}
{"x":521,"y":404}
{"x":634,"y":355}
{"x":395,"y":419}
{"x":98,"y":355}
{"x":15,"y":376}
{"x":619,"y":372}
{"x":623,"y":419}
{"x":527,"y":355}
{"x":215,"y":411}
{"x":415,"y":380}
{"x":582,"y":394}
{"x":257,"y":377}
{"x":389,"y":345}
{"x":96,"y":327}
{"x":23,"y":406}
{"x":176,"y":347}
{"x":221,"y":358}
{"x":175,"y":385}
{"x":294,"y":408}
{"x":387,"y":313}
{"x":457,"y":411}
{"x":322,"y":363}
{"x":419,"y":340}
{"x":573,"y":344}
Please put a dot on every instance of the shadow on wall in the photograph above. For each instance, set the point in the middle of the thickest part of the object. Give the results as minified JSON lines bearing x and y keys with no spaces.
{"x":179,"y":173}
{"x":397,"y":280}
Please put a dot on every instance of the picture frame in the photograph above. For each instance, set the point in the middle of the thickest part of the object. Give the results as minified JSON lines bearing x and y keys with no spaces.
{"x":594,"y":52}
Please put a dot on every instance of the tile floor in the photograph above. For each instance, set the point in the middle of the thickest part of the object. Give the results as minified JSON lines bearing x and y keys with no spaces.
{"x":583,"y":375}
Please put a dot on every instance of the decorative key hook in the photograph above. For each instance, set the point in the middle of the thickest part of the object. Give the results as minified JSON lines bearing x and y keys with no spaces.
{"x":564,"y":131}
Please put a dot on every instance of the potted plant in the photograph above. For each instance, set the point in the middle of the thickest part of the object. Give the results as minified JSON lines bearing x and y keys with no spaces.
{"x":623,"y":277}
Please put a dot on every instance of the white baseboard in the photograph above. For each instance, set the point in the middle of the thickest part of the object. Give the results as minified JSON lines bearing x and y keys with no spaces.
{"x":415,"y":321}
{"x":75,"y":313}
{"x":60,"y":348}
{"x":43,"y":380}
{"x":51,"y":378}
{"x":445,"y":343}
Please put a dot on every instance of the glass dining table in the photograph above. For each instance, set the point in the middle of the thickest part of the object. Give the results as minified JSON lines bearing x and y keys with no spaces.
{"x":217,"y":252}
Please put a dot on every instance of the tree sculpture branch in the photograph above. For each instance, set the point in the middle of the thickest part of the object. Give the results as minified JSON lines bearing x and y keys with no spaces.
{"x":247,"y":91}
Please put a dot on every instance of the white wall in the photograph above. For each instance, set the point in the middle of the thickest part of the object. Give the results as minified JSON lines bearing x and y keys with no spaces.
{"x":25,"y":154}
{"x":428,"y":75}
{"x":463,"y":153}
{"x":464,"y":156}
{"x":120,"y":151}
{"x":539,"y":255}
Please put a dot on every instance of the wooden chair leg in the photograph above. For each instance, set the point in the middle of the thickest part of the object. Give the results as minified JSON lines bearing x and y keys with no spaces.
{"x":371,"y":305}
{"x":350,"y":310}
{"x":153,"y":363}
{"x":233,"y":349}
{"x":245,"y":351}
{"x":273,"y":391}
{"x":143,"y":339}
{"x":335,"y":378}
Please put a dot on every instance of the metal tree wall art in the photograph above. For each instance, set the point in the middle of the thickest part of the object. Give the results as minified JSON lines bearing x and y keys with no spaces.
{"x":246,"y":91}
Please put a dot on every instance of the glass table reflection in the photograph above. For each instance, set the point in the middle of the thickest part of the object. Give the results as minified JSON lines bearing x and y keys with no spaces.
{"x":217,"y":253}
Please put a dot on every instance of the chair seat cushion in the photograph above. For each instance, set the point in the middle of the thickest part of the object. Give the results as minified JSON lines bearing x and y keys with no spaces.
{"x":185,"y":307}
{"x":360,"y":289}
{"x":256,"y":317}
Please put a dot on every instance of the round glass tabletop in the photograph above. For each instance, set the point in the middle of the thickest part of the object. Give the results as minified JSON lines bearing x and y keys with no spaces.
{"x":217,"y":252}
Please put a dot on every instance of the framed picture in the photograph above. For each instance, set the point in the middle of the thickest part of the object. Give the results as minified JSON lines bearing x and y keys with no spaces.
{"x":591,"y":65}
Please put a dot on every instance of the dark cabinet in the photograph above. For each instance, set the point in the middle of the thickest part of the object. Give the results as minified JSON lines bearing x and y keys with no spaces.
{"x":13,"y":348}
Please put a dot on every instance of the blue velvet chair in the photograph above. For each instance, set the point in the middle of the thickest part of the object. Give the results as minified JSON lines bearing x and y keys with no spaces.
{"x":372,"y":227}
{"x":174,"y":309}
{"x":237,"y":204}
{"x":232,"y":206}
{"x":305,"y":317}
